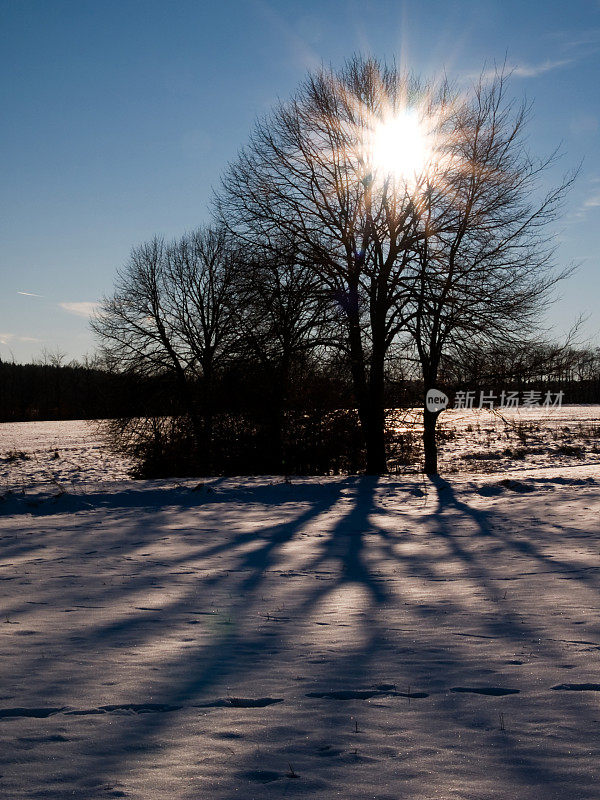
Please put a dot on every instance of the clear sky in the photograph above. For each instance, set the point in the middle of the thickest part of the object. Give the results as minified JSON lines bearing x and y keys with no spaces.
{"x":120,"y":115}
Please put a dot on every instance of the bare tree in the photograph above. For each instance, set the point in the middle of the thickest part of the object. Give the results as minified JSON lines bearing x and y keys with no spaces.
{"x":308,"y":174}
{"x":484,"y":260}
{"x":442,"y":241}
{"x":281,"y":316}
{"x":52,"y":358}
{"x":170,"y":314}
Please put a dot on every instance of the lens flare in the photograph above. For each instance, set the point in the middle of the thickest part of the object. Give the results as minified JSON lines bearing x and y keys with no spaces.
{"x":400,"y":147}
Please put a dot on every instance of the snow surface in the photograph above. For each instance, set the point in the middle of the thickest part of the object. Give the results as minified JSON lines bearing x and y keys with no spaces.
{"x":325,"y":638}
{"x":66,"y":455}
{"x":63,"y":453}
{"x":480,"y":440}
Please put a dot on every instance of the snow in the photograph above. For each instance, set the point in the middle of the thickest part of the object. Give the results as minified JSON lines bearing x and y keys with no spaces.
{"x":480,"y":440}
{"x":82,"y":455}
{"x":336,"y":637}
{"x":68,"y":455}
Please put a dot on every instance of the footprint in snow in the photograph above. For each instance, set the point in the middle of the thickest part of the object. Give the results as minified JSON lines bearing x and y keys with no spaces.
{"x":493,"y":691}
{"x":260,"y":775}
{"x":365,"y":694}
{"x":577,"y":687}
{"x":133,"y":708}
{"x":34,"y":713}
{"x":241,"y":702}
{"x":136,"y":708}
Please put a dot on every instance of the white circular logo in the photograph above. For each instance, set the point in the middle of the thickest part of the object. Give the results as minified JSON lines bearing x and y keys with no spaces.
{"x":435,"y":400}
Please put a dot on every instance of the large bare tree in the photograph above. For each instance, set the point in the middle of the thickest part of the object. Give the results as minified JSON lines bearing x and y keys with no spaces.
{"x":483,"y":264}
{"x":308,"y":173}
{"x":443,"y":238}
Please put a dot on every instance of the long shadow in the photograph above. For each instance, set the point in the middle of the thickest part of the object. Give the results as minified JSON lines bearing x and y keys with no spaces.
{"x":353,"y":552}
{"x":230,"y":651}
{"x":447,"y":499}
{"x":252,"y":566}
{"x":346,"y":546}
{"x":508,"y":625}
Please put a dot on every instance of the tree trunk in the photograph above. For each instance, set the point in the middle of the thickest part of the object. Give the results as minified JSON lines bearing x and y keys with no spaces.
{"x":369,"y":396}
{"x":196,"y":417}
{"x":429,"y":441}
{"x":203,"y":421}
{"x":375,"y":422}
{"x":279,"y":381}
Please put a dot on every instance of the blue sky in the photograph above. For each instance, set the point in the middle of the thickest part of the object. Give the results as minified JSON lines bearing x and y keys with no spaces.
{"x":120,"y":116}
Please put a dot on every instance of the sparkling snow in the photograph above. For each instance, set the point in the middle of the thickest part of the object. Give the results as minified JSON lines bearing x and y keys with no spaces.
{"x":326,"y":638}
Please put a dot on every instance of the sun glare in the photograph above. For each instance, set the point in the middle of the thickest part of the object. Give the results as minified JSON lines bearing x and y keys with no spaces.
{"x":400,"y":147}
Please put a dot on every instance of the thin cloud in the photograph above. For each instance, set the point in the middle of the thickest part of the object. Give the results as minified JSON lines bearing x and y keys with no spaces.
{"x":84,"y":309}
{"x":7,"y":338}
{"x":592,"y":202}
{"x":520,"y":70}
{"x":535,"y":70}
{"x":589,"y":38}
{"x":30,"y":294}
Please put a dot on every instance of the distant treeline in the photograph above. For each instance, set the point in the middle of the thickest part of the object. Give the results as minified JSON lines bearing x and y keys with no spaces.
{"x":46,"y":391}
{"x":529,"y":365}
{"x":50,"y":390}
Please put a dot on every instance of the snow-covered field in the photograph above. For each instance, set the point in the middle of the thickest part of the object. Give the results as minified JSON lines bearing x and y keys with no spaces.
{"x":484,"y":441}
{"x":327,"y":638}
{"x":66,"y":456}
{"x":55,"y":453}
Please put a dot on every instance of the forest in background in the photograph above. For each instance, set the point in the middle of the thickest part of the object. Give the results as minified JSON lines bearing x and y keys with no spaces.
{"x":48,"y":389}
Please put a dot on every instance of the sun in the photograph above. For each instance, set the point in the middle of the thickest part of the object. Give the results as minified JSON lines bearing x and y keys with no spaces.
{"x":400,"y":147}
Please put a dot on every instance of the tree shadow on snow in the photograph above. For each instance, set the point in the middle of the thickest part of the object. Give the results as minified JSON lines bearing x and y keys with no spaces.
{"x":374,"y":593}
